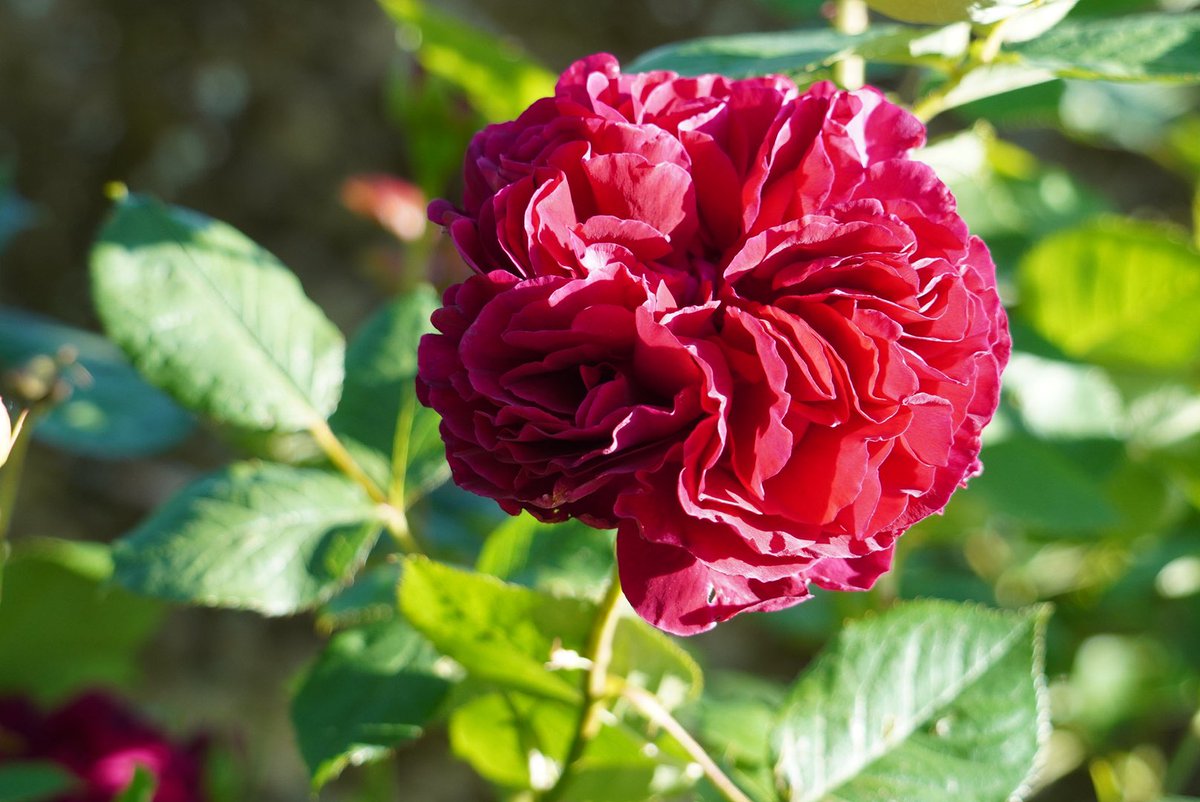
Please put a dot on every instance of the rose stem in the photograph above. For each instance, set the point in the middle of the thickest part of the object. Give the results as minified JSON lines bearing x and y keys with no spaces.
{"x":648,"y":705}
{"x":850,"y":16}
{"x":393,"y":517}
{"x":981,"y":53}
{"x":599,"y":651}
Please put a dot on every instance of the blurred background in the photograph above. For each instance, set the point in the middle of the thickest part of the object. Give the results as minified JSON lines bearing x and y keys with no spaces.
{"x":257,"y":111}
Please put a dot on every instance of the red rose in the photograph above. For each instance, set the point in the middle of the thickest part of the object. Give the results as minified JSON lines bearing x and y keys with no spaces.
{"x":734,"y":320}
{"x":102,"y":744}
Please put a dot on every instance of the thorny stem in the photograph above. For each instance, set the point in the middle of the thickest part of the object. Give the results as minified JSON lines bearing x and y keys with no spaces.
{"x":393,"y":516}
{"x":648,"y":705}
{"x":981,"y":54}
{"x":850,"y":16}
{"x":599,"y":652}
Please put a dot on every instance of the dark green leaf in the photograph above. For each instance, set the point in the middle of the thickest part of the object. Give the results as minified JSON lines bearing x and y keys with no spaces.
{"x":1143,"y":47}
{"x":499,"y":79}
{"x":256,"y":536}
{"x":111,"y":411}
{"x":1117,"y":292}
{"x":931,"y":701}
{"x":213,"y":319}
{"x":379,"y":408}
{"x":62,"y":627}
{"x":370,"y":690}
{"x":34,"y":781}
{"x":568,"y":558}
{"x":372,"y":598}
{"x":16,"y":214}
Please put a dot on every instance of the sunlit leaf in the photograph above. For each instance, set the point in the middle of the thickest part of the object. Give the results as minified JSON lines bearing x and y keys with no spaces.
{"x":930,"y":701}
{"x":1116,"y":292}
{"x":802,"y":50}
{"x":254,"y":536}
{"x":568,"y":558}
{"x":213,"y":319}
{"x":1144,"y":47}
{"x":498,"y":78}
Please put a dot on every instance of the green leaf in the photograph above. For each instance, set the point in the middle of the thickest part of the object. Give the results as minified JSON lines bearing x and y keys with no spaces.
{"x":371,"y":690}
{"x":141,"y":786}
{"x":379,"y":407}
{"x":213,"y":319}
{"x":569,"y":558}
{"x":500,"y":633}
{"x":62,"y":627}
{"x":940,"y":12}
{"x":111,"y":412}
{"x":498,"y":78}
{"x":1142,"y":47}
{"x":34,"y":781}
{"x":930,"y":701}
{"x":802,"y":50}
{"x":1065,"y":497}
{"x":506,"y":635}
{"x":521,"y":741}
{"x":1115,"y":292}
{"x":371,"y":599}
{"x":254,"y":536}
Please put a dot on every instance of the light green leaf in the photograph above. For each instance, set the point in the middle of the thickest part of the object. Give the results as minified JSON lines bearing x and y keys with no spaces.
{"x":506,"y":635}
{"x":213,"y":319}
{"x":255,"y":536}
{"x":34,"y":781}
{"x":1116,"y":292}
{"x":500,"y":633}
{"x":62,"y":627}
{"x":1143,"y":47}
{"x":940,"y":12}
{"x":141,"y":786}
{"x":371,"y":690}
{"x":931,"y":701}
{"x":803,"y":50}
{"x":521,"y":741}
{"x":498,"y":78}
{"x":111,"y":412}
{"x":379,"y":408}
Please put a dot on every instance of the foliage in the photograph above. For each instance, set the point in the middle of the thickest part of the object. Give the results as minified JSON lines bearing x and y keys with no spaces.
{"x":505,"y":637}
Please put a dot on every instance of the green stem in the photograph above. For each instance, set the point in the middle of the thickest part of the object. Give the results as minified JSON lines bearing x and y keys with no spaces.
{"x":649,"y":706}
{"x":850,"y":17}
{"x":393,"y":516}
{"x":599,"y":651}
{"x":981,"y":54}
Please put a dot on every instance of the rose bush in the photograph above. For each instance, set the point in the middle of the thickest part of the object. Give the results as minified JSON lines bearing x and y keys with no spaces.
{"x":734,"y":320}
{"x":102,"y":744}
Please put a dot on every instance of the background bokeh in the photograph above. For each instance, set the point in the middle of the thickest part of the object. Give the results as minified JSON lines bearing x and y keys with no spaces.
{"x":256,"y":112}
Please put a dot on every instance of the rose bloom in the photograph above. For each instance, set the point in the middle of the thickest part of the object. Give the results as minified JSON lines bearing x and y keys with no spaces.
{"x":731,"y":319}
{"x":102,"y":744}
